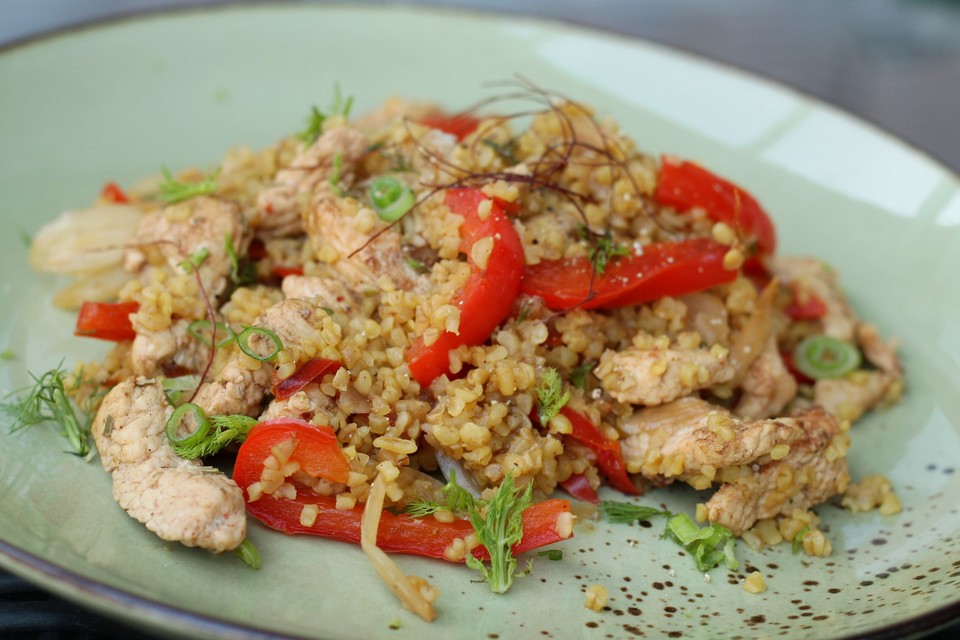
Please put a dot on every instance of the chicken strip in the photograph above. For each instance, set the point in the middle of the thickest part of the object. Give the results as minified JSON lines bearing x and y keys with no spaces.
{"x":337,"y":151}
{"x":334,"y":226}
{"x":765,"y":467}
{"x":767,"y":385}
{"x":196,"y":230}
{"x":152,"y":352}
{"x":324,"y":292}
{"x":241,"y":385}
{"x":850,"y":397}
{"x":179,"y":500}
{"x":654,"y":376}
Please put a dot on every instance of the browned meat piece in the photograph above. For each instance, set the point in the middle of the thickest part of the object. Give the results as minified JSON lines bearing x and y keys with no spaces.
{"x":648,"y":430}
{"x":767,"y":385}
{"x":880,"y":353}
{"x":190,"y":228}
{"x":177,"y":499}
{"x":850,"y":397}
{"x":799,"y":461}
{"x":282,"y":204}
{"x":241,"y":389}
{"x":324,"y":292}
{"x":153,"y":350}
{"x":654,"y":376}
{"x":332,"y":224}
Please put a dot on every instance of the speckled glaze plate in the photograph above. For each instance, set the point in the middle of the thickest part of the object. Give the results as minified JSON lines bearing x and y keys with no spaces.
{"x":118,"y":101}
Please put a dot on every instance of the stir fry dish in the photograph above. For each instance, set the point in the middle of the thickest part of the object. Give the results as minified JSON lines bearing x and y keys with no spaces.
{"x":427,"y":333}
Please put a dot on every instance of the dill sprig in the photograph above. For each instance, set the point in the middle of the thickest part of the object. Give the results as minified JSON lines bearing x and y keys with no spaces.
{"x":604,"y":251}
{"x":47,"y":401}
{"x":498,"y":524}
{"x":627,"y":513}
{"x":551,"y":395}
{"x":211,"y":435}
{"x":341,"y":107}
{"x":578,"y":375}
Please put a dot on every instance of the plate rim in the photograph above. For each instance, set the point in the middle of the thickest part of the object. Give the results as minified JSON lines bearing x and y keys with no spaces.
{"x":123,"y":606}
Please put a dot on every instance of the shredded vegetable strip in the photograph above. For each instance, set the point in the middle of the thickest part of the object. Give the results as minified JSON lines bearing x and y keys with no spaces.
{"x":388,"y":570}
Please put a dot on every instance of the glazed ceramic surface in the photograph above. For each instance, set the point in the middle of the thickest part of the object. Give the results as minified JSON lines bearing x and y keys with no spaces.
{"x":118,"y":101}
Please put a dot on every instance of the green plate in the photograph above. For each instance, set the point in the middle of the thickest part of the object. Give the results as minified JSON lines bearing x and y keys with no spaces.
{"x":118,"y":101}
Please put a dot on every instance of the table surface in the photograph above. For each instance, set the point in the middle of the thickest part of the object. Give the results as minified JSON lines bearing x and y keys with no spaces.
{"x":895,"y":63}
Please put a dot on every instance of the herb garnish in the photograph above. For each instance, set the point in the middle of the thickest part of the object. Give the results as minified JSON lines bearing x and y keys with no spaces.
{"x":604,"y":250}
{"x":627,"y":513}
{"x":340,"y":107}
{"x":47,"y":401}
{"x":497,"y":522}
{"x":211,"y":434}
{"x":578,"y":375}
{"x":709,"y":545}
{"x":551,"y":395}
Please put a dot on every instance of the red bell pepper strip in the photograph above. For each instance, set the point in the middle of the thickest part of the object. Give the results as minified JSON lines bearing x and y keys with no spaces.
{"x":787,"y":358}
{"x":401,"y":533}
{"x":579,"y":487}
{"x":609,"y":456}
{"x":459,"y":124}
{"x":661,"y":269}
{"x":487,"y":297}
{"x":318,"y":451}
{"x":106,"y":321}
{"x":685,"y":185}
{"x":284,"y":271}
{"x":307,"y":372}
{"x":812,"y":307}
{"x":112,"y":192}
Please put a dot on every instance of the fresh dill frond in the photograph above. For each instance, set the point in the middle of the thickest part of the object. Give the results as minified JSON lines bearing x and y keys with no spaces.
{"x":627,"y":513}
{"x":423,"y":508}
{"x":456,"y":499}
{"x":498,"y":524}
{"x":47,"y":401}
{"x":172,"y":190}
{"x":604,"y":251}
{"x":578,"y":375}
{"x":551,"y":395}
{"x":208,"y":439}
{"x":316,"y":119}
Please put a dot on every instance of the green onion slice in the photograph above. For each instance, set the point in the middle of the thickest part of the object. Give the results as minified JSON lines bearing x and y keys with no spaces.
{"x":200,"y":329}
{"x":243,"y":341}
{"x":820,"y":357}
{"x":192,"y":438}
{"x":391,"y":198}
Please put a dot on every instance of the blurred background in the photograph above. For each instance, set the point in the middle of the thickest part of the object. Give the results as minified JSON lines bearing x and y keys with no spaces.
{"x":895,"y":63}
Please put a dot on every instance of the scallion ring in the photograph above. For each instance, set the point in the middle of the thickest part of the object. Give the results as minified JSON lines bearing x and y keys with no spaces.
{"x":391,"y":198}
{"x":820,"y":357}
{"x":243,"y":341}
{"x":195,"y":436}
{"x":200,"y":329}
